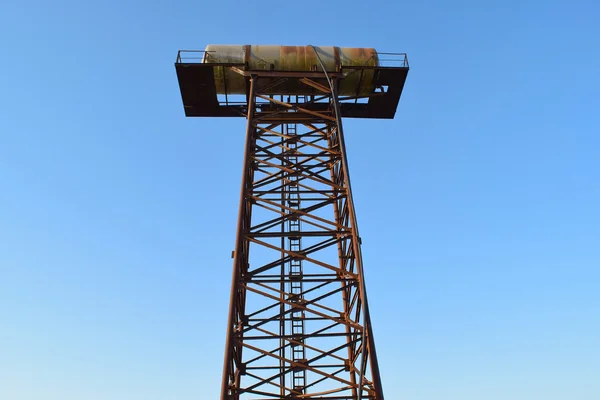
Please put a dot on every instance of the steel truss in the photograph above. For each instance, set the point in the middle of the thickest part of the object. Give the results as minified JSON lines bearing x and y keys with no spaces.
{"x":299,"y":325}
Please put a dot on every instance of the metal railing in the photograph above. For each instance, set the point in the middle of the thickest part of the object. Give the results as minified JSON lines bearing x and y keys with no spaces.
{"x":190,"y":56}
{"x":397,"y":60}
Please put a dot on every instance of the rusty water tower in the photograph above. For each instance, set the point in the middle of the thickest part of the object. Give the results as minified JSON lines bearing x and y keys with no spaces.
{"x":299,"y":324}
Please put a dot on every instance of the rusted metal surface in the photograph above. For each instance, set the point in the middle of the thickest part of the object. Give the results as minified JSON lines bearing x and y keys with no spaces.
{"x":290,"y":58}
{"x":200,"y":98}
{"x":299,"y":325}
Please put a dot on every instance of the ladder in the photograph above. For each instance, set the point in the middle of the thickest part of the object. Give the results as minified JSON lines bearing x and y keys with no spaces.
{"x":297,"y":316}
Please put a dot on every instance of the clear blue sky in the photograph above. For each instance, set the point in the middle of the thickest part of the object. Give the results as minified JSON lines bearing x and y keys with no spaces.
{"x":478,"y":205}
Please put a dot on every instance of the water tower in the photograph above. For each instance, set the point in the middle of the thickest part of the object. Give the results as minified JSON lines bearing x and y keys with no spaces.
{"x":299,"y":324}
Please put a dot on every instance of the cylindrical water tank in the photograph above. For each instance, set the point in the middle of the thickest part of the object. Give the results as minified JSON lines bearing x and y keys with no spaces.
{"x":292,"y":58}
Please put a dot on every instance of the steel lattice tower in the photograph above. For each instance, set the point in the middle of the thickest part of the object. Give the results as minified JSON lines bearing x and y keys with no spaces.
{"x":299,"y":324}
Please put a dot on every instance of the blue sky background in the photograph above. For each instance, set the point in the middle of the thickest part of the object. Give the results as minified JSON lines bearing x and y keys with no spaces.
{"x":478,"y":204}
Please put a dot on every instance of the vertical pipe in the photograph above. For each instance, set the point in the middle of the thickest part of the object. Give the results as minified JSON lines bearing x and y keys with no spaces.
{"x":239,"y":246}
{"x":343,"y":266}
{"x":368,"y":334}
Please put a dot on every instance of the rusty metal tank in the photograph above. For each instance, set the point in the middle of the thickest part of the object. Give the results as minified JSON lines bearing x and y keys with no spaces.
{"x":292,"y":58}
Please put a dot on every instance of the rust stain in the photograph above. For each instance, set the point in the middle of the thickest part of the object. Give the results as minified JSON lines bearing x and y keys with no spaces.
{"x":297,"y":59}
